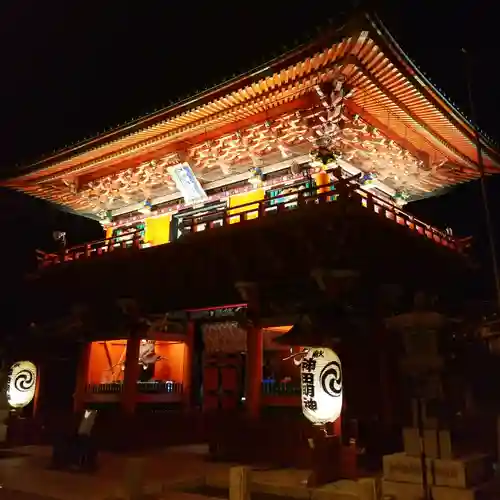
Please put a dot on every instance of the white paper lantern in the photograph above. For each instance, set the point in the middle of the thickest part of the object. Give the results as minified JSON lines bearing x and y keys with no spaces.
{"x":321,"y":383}
{"x":21,"y":384}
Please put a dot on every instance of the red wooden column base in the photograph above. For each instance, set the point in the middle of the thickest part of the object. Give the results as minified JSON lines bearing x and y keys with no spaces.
{"x":255,"y":355}
{"x":81,"y":378}
{"x":131,"y":376}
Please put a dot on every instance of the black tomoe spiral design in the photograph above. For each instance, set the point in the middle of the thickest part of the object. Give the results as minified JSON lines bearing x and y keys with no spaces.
{"x":331,"y":379}
{"x":24,"y":380}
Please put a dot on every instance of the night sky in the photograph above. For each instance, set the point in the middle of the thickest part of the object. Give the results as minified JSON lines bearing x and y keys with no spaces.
{"x":73,"y":69}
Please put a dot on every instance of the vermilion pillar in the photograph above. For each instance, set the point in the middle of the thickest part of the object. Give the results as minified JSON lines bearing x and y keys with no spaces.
{"x":36,"y":397}
{"x":81,"y":378}
{"x":255,"y":349}
{"x":255,"y":355}
{"x":131,"y":376}
{"x":337,"y":426}
{"x":187,"y":381}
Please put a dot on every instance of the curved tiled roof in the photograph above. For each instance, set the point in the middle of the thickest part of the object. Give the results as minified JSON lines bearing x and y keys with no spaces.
{"x":390,"y":91}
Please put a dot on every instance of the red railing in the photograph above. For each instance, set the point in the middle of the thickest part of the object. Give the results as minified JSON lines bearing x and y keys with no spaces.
{"x":130,"y":239}
{"x":302,"y":196}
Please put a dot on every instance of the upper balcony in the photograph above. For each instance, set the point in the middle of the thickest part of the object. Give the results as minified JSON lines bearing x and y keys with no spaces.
{"x":299,"y":197}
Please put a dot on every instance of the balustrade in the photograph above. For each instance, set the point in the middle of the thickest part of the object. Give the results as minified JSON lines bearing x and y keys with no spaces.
{"x":302,"y":197}
{"x":153,"y":387}
{"x":273,"y":388}
{"x":281,"y":394}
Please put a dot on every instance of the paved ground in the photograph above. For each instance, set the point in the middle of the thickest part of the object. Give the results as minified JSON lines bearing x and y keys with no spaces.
{"x":174,"y":471}
{"x":173,"y":474}
{"x":16,"y":495}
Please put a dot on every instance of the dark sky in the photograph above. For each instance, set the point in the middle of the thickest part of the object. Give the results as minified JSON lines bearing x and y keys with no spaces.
{"x":71,"y":69}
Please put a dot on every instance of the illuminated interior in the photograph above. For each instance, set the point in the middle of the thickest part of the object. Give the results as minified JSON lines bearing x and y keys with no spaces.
{"x":161,"y":362}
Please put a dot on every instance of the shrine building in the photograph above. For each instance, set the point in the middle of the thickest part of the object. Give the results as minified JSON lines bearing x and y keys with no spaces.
{"x":228,"y":215}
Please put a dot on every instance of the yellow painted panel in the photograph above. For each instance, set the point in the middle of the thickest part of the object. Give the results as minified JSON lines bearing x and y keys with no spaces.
{"x":237,"y":200}
{"x":157,"y":230}
{"x":322,"y":179}
{"x":109,"y":232}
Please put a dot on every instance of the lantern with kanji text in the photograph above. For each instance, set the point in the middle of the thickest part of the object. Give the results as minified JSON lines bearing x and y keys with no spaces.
{"x":321,"y":385}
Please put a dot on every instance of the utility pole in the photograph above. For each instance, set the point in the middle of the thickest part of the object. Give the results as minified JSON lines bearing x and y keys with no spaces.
{"x":482,"y":179}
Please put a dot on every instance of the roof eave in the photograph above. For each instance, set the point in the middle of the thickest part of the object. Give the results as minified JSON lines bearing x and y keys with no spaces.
{"x":427,"y":87}
{"x":356,"y":25}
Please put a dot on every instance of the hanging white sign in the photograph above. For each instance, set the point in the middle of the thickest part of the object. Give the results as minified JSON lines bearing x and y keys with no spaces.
{"x":187,"y":183}
{"x":321,"y":383}
{"x":21,"y":384}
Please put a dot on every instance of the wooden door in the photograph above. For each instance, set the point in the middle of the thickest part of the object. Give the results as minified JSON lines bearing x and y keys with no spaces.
{"x":211,"y":382}
{"x":222,"y":382}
